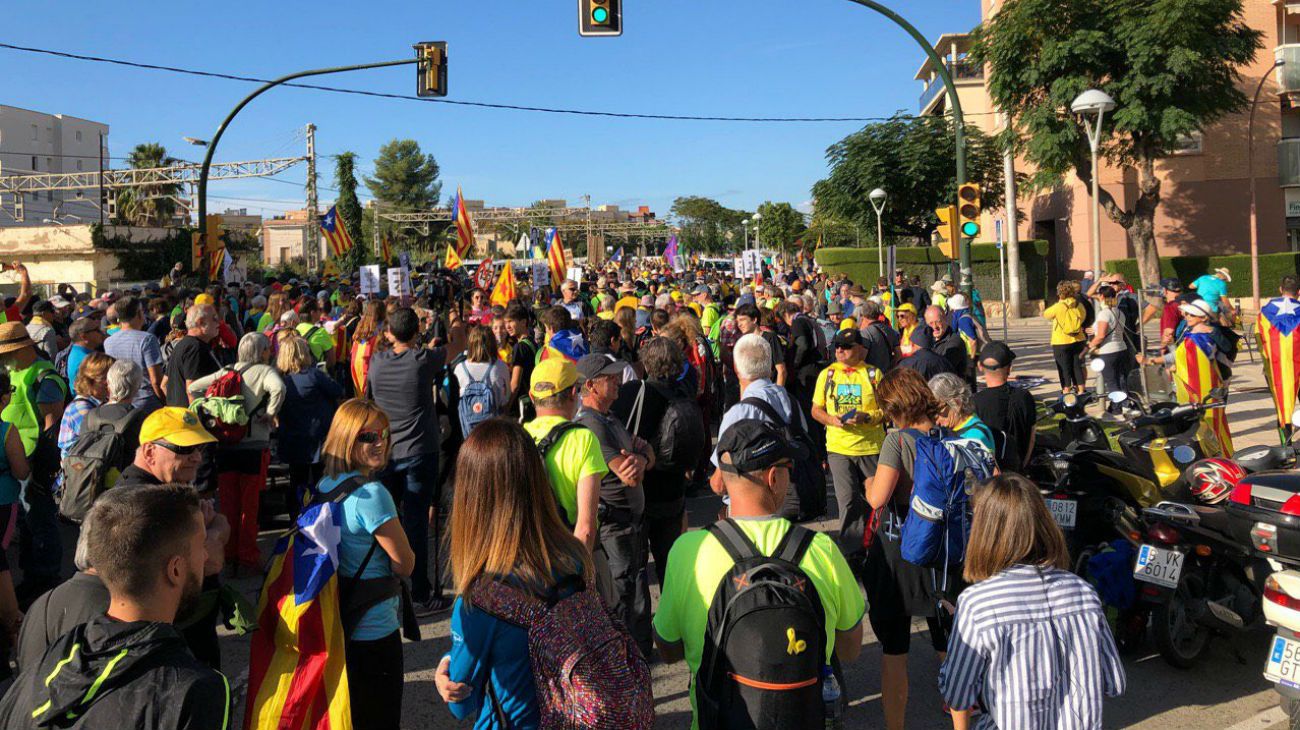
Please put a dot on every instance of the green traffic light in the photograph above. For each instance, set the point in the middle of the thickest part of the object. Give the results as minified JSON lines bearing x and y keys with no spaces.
{"x":599,"y":15}
{"x":970,"y":229}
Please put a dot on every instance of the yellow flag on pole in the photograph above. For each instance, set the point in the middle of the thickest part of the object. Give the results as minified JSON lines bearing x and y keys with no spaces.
{"x":504,"y":292}
{"x":453,"y":261}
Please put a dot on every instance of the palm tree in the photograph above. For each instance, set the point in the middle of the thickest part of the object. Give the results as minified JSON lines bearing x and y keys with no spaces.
{"x":148,"y":205}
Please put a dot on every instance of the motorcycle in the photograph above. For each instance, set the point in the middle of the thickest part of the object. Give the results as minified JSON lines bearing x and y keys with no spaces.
{"x":1197,"y":579}
{"x":1282,"y":668}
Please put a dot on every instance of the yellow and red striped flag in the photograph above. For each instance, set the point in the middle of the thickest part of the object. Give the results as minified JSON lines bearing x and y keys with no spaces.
{"x":297,"y":676}
{"x":1276,"y":331}
{"x":504,"y":292}
{"x":336,"y":234}
{"x":216,"y":262}
{"x":385,"y":250}
{"x":464,"y":226}
{"x":452,"y":261}
{"x":1196,"y":373}
{"x":555,"y":259}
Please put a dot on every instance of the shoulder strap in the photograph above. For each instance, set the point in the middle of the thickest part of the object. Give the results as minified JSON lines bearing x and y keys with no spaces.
{"x":340,"y":493}
{"x":506,"y":602}
{"x":794,"y":544}
{"x":733,"y":540}
{"x":553,"y":436}
{"x":767,"y":409}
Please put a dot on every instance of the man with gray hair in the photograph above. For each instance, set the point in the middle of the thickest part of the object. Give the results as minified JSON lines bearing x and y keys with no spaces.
{"x":192,"y":357}
{"x":879,"y":339}
{"x":133,"y":343}
{"x":753,"y":363}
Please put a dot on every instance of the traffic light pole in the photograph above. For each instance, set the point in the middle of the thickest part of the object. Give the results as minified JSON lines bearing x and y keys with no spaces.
{"x":212,"y":144}
{"x":959,"y":122}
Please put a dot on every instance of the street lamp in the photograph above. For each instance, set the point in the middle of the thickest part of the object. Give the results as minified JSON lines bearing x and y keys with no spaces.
{"x":878,"y":199}
{"x":1094,"y":101}
{"x":196,"y":141}
{"x":745,"y":223}
{"x":1250,"y":173}
{"x":757,"y":217}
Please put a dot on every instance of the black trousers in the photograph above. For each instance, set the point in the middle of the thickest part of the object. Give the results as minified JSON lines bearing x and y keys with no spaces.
{"x":375,"y":676}
{"x":662,"y":524}
{"x":625,"y":548}
{"x":1068,"y":365}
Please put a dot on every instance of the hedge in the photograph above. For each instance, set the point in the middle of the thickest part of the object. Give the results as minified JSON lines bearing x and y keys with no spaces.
{"x":927,"y":262}
{"x":1187,"y":268}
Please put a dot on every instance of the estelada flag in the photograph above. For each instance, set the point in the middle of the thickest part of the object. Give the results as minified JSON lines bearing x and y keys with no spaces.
{"x":297,"y":675}
{"x":504,"y":292}
{"x":555,"y":259}
{"x":216,"y":260}
{"x":1196,"y":373}
{"x":1276,"y":332}
{"x":464,"y":226}
{"x":452,"y":261}
{"x":335,"y":232}
{"x":385,"y":251}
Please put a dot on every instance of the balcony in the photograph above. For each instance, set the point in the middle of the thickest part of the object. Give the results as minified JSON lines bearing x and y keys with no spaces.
{"x":1288,"y":76}
{"x":963,"y":70}
{"x":1288,"y":162}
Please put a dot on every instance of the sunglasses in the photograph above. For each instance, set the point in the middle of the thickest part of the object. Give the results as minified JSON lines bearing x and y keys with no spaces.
{"x":178,"y":450}
{"x":370,"y":438}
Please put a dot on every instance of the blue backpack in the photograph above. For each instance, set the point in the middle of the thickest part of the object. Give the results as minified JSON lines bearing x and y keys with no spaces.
{"x":946,"y":472}
{"x":478,"y":403}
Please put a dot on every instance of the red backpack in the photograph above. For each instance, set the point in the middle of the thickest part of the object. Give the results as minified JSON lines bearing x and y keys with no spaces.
{"x":222,"y":409}
{"x":589,"y":673}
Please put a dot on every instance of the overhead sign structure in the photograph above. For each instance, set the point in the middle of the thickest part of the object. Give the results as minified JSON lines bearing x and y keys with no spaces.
{"x":600,"y":18}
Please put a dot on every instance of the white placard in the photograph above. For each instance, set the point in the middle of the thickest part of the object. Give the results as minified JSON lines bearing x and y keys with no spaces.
{"x":738,"y":266}
{"x":370,"y":279}
{"x":575,"y":273}
{"x":541,"y":275}
{"x":399,"y":281}
{"x":753,"y":263}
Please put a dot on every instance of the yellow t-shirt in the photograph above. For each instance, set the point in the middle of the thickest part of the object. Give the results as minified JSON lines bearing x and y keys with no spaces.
{"x":574,"y":456}
{"x":1067,"y":321}
{"x":627,"y":302}
{"x":851,"y":388}
{"x":697,"y":562}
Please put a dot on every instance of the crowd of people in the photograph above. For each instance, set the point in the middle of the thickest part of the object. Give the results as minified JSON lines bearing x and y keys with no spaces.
{"x":500,"y":457}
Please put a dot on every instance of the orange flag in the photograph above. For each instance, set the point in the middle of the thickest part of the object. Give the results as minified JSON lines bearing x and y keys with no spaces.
{"x":504,"y":292}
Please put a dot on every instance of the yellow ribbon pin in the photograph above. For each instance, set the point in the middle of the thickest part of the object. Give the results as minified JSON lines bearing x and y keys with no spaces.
{"x":795,"y":646}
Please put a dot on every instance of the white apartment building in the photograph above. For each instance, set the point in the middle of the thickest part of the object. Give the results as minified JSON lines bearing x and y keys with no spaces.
{"x":34,"y":142}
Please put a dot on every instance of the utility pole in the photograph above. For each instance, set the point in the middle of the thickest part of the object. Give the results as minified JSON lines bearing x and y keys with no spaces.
{"x":101,"y":181}
{"x":590,"y":259}
{"x":1012,"y":238}
{"x":374,"y":230}
{"x":313,"y":224}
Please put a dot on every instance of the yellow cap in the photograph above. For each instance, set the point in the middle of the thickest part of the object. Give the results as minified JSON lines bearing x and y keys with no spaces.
{"x":908,"y":307}
{"x":676,"y":295}
{"x":204,"y":298}
{"x":176,"y":426}
{"x":552,"y":376}
{"x":848,"y":324}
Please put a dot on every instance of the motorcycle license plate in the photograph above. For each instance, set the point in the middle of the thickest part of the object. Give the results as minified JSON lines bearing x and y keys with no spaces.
{"x":1064,"y":511}
{"x":1159,"y":566}
{"x":1283,"y":665}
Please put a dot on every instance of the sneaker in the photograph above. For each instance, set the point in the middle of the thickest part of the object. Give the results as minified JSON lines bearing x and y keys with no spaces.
{"x":432,"y":607}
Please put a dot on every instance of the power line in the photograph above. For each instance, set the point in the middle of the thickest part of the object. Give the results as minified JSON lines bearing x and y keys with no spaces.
{"x":479,"y":104}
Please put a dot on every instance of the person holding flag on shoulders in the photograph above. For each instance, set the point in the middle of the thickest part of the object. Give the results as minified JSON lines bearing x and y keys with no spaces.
{"x":1278,"y":321}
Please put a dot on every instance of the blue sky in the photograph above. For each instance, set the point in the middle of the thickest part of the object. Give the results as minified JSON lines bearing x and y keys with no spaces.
{"x":756,"y":58}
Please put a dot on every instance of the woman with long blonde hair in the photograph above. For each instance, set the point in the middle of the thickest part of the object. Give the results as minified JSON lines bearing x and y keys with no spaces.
{"x":373,"y":551}
{"x":274,"y":308}
{"x":505,"y":527}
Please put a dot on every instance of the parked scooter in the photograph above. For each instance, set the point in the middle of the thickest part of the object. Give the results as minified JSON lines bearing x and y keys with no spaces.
{"x":1282,"y":667}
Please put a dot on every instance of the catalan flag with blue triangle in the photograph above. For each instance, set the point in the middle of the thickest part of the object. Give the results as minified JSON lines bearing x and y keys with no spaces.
{"x":297,"y":676}
{"x":568,"y":344}
{"x":1276,"y":332}
{"x":1196,"y":373}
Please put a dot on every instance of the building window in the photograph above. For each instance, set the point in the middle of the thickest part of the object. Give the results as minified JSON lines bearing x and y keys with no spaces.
{"x":35,"y":136}
{"x":49,"y":134}
{"x":78,"y":165}
{"x":35,"y":167}
{"x":1190,"y":144}
{"x":78,"y":135}
{"x":49,"y":164}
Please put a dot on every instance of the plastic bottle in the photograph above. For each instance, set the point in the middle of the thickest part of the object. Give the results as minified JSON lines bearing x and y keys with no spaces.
{"x":831,"y":698}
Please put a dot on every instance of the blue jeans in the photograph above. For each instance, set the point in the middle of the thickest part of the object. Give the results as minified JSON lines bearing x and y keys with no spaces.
{"x":40,"y":550}
{"x":413,"y":482}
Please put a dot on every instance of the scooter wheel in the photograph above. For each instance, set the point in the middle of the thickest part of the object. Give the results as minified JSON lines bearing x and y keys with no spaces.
{"x":1179,"y":638}
{"x":1292,"y":709}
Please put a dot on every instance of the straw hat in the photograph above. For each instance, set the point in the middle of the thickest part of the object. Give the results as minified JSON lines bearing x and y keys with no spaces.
{"x":14,"y":337}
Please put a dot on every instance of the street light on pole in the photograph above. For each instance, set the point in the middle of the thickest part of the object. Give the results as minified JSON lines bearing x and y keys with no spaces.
{"x":745,"y":223}
{"x":757,"y":217}
{"x":1250,"y":174}
{"x":878,"y":199}
{"x":1098,"y":102}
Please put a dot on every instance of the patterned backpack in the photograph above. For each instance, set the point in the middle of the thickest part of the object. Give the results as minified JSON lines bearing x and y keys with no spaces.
{"x":589,"y":673}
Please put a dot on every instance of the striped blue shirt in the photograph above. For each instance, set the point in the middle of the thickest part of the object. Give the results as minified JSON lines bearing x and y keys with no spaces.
{"x":1032,"y":647}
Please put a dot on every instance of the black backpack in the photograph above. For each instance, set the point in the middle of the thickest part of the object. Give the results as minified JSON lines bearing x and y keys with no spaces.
{"x":544,"y":447}
{"x":765,"y":641}
{"x":806,"y":497}
{"x":93,"y":463}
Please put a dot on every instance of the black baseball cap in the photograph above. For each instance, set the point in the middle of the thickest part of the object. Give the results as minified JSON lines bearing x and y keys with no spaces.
{"x":996,"y":355}
{"x":594,"y":366}
{"x":1171,"y":284}
{"x":848,"y":338}
{"x":754,"y":445}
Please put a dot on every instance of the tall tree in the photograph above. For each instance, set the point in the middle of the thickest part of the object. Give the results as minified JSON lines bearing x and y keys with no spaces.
{"x":148,"y":205}
{"x":706,"y":224}
{"x":912,"y":160}
{"x":1173,"y":67}
{"x":406,"y":179}
{"x":779,"y":226}
{"x":349,"y":208}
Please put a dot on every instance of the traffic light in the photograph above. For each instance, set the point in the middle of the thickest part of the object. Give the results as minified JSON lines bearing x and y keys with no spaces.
{"x":968,"y":198}
{"x":201,"y":247}
{"x":946,"y":238}
{"x":600,"y":17}
{"x":431,"y":71}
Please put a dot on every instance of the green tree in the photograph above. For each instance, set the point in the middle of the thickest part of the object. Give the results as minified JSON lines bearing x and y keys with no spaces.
{"x":405,"y":178}
{"x":349,"y":209}
{"x":912,"y":160}
{"x":707,"y":225}
{"x":147,"y":205}
{"x":779,"y":226}
{"x":1173,"y":67}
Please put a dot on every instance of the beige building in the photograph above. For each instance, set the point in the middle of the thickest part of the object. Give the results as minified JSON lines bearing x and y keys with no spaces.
{"x":284,"y":238}
{"x":1205,"y":198}
{"x":57,"y":254}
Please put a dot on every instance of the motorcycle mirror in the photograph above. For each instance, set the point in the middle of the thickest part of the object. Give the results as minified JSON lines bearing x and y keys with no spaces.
{"x":1117,"y":396}
{"x":1097,"y":365}
{"x":1219,"y":393}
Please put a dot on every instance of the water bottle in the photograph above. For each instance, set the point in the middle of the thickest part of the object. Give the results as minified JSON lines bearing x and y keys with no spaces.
{"x":831,"y":698}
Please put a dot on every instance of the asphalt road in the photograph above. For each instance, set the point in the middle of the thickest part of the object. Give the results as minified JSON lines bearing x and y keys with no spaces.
{"x":1226,"y":690}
